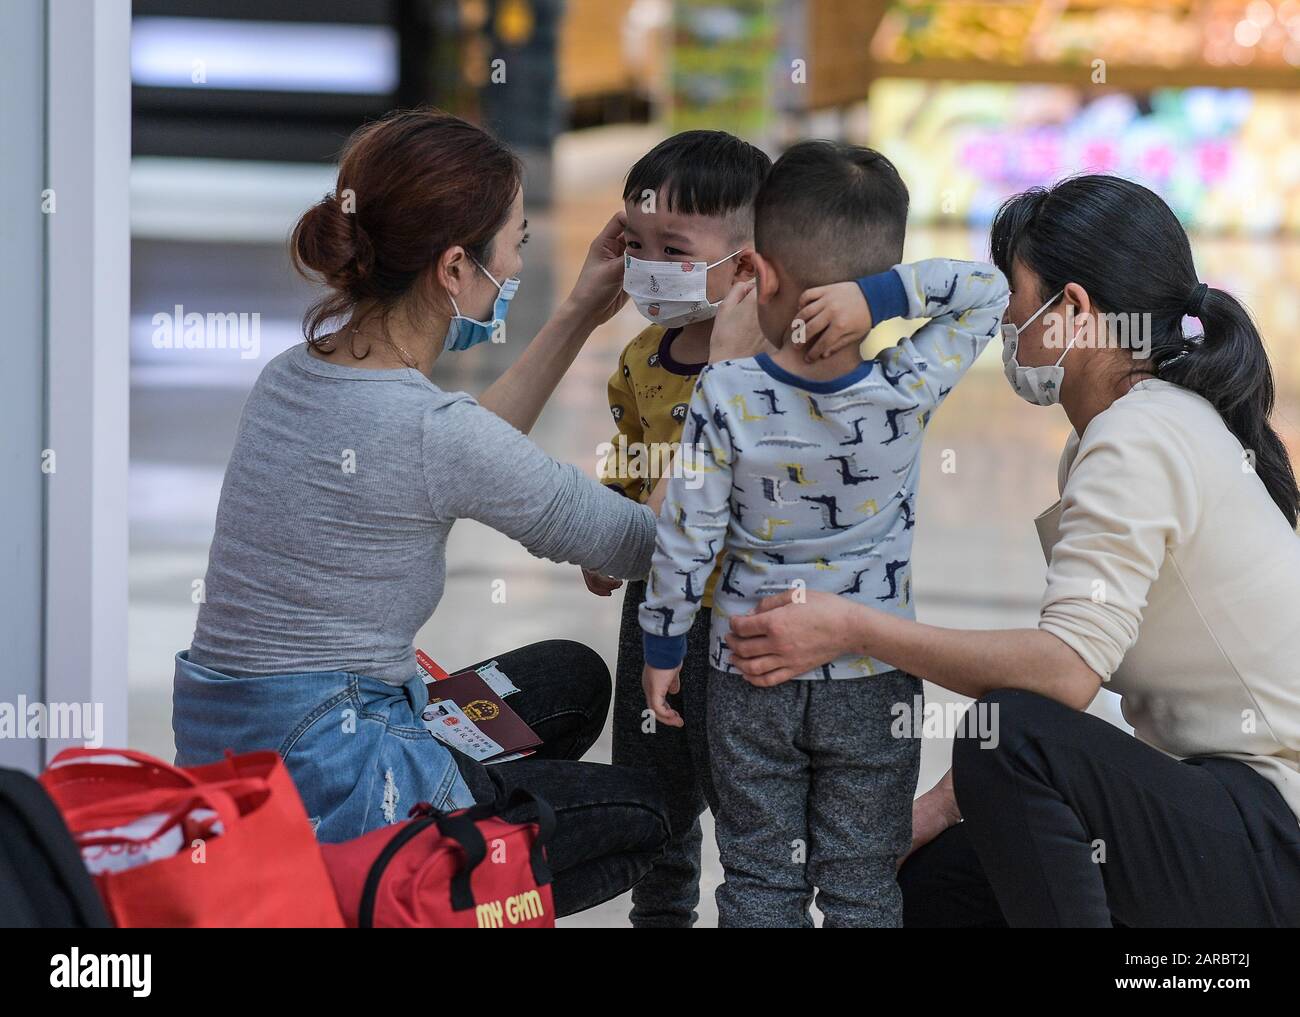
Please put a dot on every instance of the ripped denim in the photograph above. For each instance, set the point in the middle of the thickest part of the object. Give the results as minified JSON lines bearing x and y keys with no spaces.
{"x":354,"y":745}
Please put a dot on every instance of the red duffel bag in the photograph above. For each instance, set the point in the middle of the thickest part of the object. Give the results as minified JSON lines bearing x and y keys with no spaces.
{"x":222,"y":845}
{"x":459,"y":870}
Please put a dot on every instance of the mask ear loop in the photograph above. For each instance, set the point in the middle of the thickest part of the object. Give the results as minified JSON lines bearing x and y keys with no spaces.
{"x":486,"y":273}
{"x":1035,"y":316}
{"x":498,"y":285}
{"x":1068,"y":347}
{"x":707,"y":266}
{"x":1074,"y":339}
{"x":455,"y":307}
{"x":714,"y":265}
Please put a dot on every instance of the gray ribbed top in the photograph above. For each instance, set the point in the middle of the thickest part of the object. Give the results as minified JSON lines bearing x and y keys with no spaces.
{"x":330,"y":544}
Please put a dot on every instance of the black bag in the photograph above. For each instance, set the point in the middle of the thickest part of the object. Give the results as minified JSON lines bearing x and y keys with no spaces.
{"x":43,"y":881}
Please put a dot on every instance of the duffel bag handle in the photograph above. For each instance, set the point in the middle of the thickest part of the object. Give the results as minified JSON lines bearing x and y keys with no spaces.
{"x":460,"y":829}
{"x":465,"y":832}
{"x":543,"y":815}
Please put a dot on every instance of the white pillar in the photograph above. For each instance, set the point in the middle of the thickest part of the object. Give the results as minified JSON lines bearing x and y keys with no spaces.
{"x":88,"y":125}
{"x":22,"y":383}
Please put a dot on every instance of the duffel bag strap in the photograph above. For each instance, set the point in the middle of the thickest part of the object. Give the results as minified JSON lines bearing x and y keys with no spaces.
{"x":366,"y":910}
{"x":460,"y":828}
{"x":545,"y":816}
{"x":541,"y":813}
{"x":464,"y":832}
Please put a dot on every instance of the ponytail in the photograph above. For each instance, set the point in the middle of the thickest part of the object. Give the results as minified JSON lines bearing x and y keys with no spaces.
{"x":1229,"y":368}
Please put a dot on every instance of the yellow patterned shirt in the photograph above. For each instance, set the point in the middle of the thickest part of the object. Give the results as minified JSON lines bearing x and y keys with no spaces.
{"x":648,"y":395}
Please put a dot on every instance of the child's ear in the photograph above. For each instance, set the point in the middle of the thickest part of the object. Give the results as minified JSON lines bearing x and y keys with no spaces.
{"x":745,"y":266}
{"x":765,"y":273}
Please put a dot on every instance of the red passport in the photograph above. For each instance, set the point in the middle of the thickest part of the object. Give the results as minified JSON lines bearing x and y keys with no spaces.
{"x":481,"y":708}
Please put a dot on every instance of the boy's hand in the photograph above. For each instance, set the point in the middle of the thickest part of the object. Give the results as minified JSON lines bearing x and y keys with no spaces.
{"x":834,"y":317}
{"x":655,"y":503}
{"x":658,"y":682}
{"x":601,"y":586}
{"x":736,"y":334}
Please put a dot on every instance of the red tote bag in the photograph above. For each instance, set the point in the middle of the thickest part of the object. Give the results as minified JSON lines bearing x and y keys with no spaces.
{"x":246,"y":854}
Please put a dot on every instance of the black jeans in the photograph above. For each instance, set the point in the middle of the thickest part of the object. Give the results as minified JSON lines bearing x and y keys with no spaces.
{"x":610,"y":822}
{"x":1070,"y":821}
{"x":678,"y":760}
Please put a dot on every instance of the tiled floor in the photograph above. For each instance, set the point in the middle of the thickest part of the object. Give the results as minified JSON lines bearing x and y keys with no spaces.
{"x":977,"y":560}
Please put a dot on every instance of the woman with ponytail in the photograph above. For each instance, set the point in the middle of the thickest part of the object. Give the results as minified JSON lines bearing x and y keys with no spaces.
{"x":1173,"y":577}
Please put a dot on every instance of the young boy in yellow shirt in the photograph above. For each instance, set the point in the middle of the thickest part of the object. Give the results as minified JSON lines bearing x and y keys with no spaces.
{"x":689,"y":206}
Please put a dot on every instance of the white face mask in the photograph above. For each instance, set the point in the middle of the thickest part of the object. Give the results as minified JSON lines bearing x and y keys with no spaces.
{"x":1038,"y":385}
{"x":671,"y":293}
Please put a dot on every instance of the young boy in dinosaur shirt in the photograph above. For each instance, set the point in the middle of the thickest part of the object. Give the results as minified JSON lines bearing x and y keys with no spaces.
{"x":806,"y":476}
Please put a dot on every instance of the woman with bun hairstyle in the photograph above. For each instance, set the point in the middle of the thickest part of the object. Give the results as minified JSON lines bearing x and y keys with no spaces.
{"x":1173,"y":576}
{"x":350,"y":467}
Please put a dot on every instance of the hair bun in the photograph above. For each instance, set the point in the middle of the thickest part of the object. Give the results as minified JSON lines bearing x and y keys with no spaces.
{"x":330,"y":242}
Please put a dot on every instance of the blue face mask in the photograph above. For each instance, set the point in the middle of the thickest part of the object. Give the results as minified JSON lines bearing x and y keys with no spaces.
{"x":465,"y":332}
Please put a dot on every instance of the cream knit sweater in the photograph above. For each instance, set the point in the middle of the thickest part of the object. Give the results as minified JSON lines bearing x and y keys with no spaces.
{"x":1175,"y":578}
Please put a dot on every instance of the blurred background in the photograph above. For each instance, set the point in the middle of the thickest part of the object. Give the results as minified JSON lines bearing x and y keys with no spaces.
{"x":240,"y":106}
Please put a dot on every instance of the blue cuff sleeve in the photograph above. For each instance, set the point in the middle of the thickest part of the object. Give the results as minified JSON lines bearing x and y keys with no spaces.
{"x":885,"y":295}
{"x":664,"y":651}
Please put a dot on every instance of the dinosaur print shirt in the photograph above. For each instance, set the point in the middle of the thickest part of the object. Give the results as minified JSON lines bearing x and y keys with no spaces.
{"x":814,"y":483}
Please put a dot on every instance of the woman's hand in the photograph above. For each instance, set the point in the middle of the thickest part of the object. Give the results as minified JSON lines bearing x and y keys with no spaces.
{"x":601,"y":586}
{"x":518,"y":396}
{"x":834,"y":317}
{"x":792,"y":633}
{"x":736,"y":334}
{"x":598,"y":293}
{"x":932,"y":813}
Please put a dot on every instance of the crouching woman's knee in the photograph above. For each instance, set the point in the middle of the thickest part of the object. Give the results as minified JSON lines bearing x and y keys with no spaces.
{"x":991,"y":740}
{"x":587,"y":673}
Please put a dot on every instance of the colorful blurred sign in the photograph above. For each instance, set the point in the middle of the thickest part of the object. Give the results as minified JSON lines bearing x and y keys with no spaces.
{"x":1225,"y":159}
{"x":1143,"y":33}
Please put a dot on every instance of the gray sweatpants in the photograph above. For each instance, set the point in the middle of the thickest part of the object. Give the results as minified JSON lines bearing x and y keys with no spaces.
{"x":814,"y":790}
